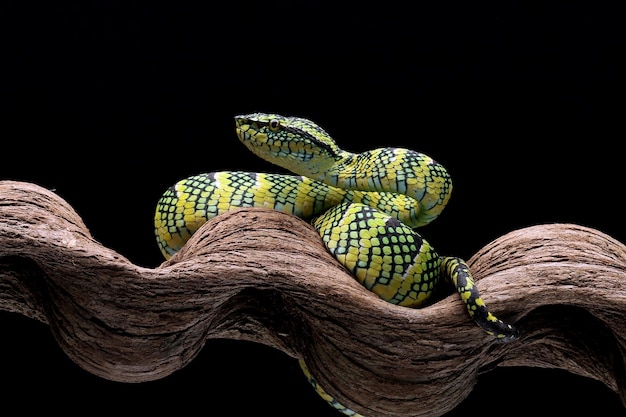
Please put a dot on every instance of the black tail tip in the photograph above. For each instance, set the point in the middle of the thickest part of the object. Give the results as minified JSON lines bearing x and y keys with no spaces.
{"x":504,"y":333}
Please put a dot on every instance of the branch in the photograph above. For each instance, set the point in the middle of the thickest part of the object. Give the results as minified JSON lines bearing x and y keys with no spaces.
{"x":264,"y":276}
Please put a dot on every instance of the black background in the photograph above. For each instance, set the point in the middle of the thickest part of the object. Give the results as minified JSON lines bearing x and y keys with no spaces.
{"x":110,"y":103}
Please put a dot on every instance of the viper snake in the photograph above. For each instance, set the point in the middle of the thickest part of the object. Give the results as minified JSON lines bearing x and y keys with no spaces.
{"x":365,"y":206}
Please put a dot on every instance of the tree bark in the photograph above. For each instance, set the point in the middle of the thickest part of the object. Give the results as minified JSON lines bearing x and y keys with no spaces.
{"x":264,"y":276}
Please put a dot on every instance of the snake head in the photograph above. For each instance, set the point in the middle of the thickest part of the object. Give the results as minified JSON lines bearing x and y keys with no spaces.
{"x":293,"y":143}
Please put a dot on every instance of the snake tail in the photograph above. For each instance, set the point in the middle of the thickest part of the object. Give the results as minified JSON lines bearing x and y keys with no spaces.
{"x":459,"y":274}
{"x":322,"y":393}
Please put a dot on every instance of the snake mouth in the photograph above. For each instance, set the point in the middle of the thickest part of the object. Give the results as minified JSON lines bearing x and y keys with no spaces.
{"x":241,"y":133}
{"x":243,"y":128}
{"x":251,"y":137}
{"x":246,"y":122}
{"x":247,"y":131}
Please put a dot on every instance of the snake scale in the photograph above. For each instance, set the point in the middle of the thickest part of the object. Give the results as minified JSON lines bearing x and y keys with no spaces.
{"x":365,"y":206}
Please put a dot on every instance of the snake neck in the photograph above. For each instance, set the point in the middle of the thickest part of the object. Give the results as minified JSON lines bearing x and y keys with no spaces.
{"x":304,"y":148}
{"x":397,"y":171}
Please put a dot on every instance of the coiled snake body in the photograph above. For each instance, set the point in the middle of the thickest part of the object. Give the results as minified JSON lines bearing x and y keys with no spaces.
{"x":365,"y":207}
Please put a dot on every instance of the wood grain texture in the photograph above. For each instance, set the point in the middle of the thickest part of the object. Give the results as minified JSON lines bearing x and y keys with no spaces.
{"x":265,"y":276}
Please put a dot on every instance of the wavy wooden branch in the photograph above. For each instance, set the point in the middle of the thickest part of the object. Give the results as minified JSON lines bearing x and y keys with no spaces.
{"x":264,"y":276}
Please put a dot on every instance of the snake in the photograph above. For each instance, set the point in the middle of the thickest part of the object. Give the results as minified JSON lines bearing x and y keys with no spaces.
{"x":365,"y":206}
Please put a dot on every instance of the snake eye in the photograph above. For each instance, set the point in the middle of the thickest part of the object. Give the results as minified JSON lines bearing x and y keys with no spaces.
{"x":274,"y":125}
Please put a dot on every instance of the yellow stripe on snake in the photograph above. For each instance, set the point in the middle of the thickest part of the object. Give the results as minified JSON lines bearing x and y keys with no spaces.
{"x":365,"y":207}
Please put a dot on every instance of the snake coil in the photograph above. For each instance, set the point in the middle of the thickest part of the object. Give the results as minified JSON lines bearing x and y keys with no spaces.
{"x":365,"y":207}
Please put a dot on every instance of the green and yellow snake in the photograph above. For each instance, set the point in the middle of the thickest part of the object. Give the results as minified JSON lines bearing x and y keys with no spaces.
{"x":365,"y":207}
